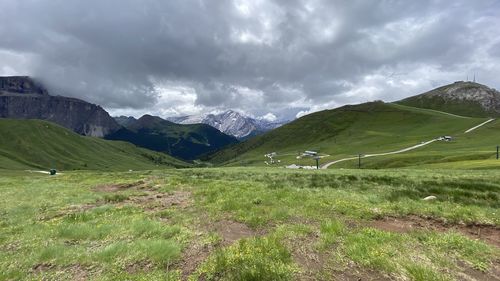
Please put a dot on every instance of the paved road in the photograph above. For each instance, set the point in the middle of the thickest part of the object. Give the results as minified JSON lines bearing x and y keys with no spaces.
{"x":325,"y":166}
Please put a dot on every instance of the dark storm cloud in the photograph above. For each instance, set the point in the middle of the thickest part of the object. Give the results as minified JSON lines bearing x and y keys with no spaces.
{"x":257,"y":56}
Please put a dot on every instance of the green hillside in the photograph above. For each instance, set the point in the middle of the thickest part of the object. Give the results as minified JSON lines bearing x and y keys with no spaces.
{"x":462,"y":98}
{"x":39,"y":144}
{"x":374,"y":127}
{"x":474,"y":150}
{"x":182,"y":141}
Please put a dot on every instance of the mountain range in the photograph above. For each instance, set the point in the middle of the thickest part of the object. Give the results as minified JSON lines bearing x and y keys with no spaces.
{"x":374,"y":127}
{"x":232,"y":123}
{"x":21,"y":97}
{"x":187,"y":142}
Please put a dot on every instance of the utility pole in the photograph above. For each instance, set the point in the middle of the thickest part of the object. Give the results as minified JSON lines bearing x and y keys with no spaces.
{"x":317,"y":162}
{"x":498,"y":150}
{"x":359,"y":161}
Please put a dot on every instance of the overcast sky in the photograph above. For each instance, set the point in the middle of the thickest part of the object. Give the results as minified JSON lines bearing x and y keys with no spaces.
{"x":281,"y":57}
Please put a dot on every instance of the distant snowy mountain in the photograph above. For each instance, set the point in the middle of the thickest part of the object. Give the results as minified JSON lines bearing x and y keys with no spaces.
{"x":232,"y":123}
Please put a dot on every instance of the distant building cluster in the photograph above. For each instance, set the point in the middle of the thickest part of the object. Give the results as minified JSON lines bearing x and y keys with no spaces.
{"x":272,"y":159}
{"x":445,"y":138}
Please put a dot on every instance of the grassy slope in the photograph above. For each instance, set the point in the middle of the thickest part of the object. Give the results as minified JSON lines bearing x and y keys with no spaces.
{"x":346,"y":131}
{"x":40,"y":144}
{"x":307,"y":225}
{"x":474,"y":150}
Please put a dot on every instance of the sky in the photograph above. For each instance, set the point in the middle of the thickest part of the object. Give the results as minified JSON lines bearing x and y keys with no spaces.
{"x":276,"y":59}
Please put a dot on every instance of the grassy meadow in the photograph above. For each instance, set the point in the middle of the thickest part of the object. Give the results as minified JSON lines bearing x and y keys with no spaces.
{"x":250,"y":224}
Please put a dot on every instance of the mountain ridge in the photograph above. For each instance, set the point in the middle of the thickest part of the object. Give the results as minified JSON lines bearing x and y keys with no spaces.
{"x":461,"y":98}
{"x":232,"y":123}
{"x":185,"y":141}
{"x":22,"y":97}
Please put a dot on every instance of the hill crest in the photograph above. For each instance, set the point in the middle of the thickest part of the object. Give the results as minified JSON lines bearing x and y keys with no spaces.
{"x":462,"y":98}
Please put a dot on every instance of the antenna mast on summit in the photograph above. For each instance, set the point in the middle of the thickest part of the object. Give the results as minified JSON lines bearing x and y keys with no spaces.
{"x":474,"y":77}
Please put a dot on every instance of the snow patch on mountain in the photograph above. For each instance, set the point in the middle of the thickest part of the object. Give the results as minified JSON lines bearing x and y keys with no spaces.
{"x":233,"y":123}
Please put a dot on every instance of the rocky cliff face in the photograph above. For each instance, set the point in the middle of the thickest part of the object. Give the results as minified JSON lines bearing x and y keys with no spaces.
{"x":23,"y":98}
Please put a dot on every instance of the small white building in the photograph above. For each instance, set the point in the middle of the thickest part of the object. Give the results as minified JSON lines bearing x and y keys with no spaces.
{"x":445,"y":138}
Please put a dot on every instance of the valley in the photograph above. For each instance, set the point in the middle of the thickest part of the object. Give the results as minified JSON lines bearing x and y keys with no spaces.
{"x":156,"y":200}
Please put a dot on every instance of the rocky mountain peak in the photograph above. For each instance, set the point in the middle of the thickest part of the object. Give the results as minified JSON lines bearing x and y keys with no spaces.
{"x":462,"y":98}
{"x":488,"y":98}
{"x":21,"y":85}
{"x":231,"y":122}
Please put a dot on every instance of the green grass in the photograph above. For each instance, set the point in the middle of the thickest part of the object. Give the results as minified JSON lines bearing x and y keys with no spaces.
{"x":249,"y":259}
{"x":474,"y":150}
{"x":348,"y":131}
{"x":28,"y":144}
{"x":62,"y":227}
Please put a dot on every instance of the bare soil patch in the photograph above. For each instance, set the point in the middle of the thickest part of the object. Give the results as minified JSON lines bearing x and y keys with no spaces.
{"x":469,"y":273}
{"x":42,"y":267}
{"x":487,"y":233}
{"x":192,"y":258}
{"x":150,"y":199}
{"x":72,"y":209}
{"x":139,"y":266}
{"x":311,"y":261}
{"x":356,"y":273}
{"x":231,"y":231}
{"x":122,"y":186}
{"x":159,"y":200}
{"x":78,"y":272}
{"x":316,"y":264}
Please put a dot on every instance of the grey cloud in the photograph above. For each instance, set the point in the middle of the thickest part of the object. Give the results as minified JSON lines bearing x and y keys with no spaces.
{"x":259,"y":56}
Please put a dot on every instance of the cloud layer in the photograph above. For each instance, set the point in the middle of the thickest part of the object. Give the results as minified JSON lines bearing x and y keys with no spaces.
{"x":283,"y":57}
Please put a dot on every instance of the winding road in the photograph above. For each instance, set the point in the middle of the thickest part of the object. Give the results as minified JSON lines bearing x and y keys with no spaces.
{"x":326,"y":165}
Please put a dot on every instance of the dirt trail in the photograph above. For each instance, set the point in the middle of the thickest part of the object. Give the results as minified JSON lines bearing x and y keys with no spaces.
{"x":480,"y":125}
{"x":487,"y":233}
{"x":326,"y":165}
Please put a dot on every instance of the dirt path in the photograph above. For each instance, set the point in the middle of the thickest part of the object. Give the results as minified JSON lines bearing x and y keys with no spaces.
{"x":326,"y":165}
{"x":480,"y":125}
{"x":43,"y":172}
{"x":487,"y":233}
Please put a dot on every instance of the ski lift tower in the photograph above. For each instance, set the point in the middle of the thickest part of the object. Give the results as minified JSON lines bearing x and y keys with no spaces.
{"x":317,"y":161}
{"x":314,"y":155}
